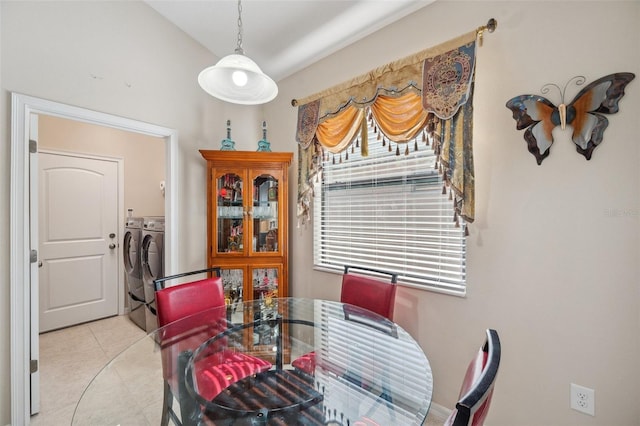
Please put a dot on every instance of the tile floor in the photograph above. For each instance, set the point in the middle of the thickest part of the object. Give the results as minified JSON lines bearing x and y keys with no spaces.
{"x":71,"y":357}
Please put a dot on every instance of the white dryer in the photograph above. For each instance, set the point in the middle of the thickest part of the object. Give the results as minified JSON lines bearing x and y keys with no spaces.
{"x":152,"y":262}
{"x":133,"y":270}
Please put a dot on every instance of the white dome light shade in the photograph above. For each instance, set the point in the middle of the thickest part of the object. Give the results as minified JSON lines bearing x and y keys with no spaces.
{"x":239,"y":80}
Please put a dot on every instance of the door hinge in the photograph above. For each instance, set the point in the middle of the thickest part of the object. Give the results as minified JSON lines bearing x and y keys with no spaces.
{"x":33,"y":365}
{"x":33,"y":146}
{"x":33,"y":256}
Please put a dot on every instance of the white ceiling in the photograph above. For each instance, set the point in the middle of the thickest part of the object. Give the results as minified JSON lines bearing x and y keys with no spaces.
{"x":283,"y":36}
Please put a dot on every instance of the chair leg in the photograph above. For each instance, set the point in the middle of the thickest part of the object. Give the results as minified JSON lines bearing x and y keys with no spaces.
{"x":189,"y":408}
{"x":166,"y":404}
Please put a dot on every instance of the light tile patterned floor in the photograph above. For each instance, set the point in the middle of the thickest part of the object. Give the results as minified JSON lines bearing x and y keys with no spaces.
{"x":433,"y":421}
{"x":71,"y":357}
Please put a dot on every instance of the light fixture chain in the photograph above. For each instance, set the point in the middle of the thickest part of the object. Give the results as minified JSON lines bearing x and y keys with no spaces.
{"x":239,"y":48}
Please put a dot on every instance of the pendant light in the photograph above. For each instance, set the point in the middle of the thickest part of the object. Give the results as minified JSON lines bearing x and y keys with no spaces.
{"x":236,"y":78}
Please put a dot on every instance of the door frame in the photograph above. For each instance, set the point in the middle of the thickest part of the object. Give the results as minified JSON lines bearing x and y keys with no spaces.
{"x":22,"y":106}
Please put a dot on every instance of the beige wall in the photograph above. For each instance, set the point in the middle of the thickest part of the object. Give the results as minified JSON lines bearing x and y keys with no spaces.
{"x":144,"y":157}
{"x":553,"y":256}
{"x":124,"y":59}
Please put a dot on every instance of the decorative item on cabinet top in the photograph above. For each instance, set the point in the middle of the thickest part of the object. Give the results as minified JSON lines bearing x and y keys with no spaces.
{"x":228,"y":144}
{"x":263,"y":144}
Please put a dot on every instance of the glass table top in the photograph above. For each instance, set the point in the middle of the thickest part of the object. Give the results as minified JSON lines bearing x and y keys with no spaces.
{"x":237,"y":365}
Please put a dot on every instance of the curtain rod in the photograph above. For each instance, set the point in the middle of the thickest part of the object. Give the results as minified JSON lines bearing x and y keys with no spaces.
{"x":491,"y":26}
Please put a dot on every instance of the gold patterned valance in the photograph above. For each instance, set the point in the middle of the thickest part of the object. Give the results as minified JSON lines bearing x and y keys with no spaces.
{"x":429,"y":91}
{"x":447,"y":80}
{"x":397,"y":77}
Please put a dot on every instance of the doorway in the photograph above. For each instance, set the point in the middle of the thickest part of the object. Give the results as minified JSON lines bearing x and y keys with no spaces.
{"x":84,"y":228}
{"x":23,"y":258}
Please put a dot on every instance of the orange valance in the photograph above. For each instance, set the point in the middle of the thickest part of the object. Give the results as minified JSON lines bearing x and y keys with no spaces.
{"x":400,"y":119}
{"x":335,"y":134}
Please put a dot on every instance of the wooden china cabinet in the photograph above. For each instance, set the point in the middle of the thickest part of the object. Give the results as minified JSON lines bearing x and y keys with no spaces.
{"x":248,"y":224}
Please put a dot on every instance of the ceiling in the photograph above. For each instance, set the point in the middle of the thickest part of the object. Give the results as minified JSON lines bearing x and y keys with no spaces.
{"x":283,"y":36}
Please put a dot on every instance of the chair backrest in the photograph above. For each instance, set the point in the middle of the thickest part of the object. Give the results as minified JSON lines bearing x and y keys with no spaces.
{"x":193,"y":303}
{"x":368,"y":292}
{"x":183,"y":300}
{"x":477,"y":387}
{"x":160,"y":283}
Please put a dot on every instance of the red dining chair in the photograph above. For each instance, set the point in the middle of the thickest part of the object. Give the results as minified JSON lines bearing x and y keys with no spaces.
{"x":369,"y":292}
{"x":477,"y":387}
{"x":361,"y":290}
{"x":192,"y":304}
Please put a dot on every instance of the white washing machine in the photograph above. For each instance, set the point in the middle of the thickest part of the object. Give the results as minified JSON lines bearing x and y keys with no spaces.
{"x":152,"y":262}
{"x":133,"y":270}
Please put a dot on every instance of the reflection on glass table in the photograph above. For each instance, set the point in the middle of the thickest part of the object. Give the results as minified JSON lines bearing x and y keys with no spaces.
{"x":369,"y":371}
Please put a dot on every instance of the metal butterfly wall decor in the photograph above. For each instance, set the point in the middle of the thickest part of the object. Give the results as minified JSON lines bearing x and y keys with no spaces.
{"x":584,"y":113}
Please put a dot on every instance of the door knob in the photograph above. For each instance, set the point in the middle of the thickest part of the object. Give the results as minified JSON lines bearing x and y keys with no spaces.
{"x":40,"y":264}
{"x":112,"y":246}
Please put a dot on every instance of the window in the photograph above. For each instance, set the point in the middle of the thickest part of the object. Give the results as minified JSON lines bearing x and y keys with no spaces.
{"x":387,"y":211}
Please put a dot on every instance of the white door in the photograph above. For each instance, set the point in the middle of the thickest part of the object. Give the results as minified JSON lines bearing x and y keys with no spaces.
{"x":78,"y":233}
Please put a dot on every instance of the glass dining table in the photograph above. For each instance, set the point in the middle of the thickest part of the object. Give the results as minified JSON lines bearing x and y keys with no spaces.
{"x":365,"y":370}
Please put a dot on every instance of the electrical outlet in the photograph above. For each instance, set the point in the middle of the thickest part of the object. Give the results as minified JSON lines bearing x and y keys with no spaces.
{"x":583,"y":399}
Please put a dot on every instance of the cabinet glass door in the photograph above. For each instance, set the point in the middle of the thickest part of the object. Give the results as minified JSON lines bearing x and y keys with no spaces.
{"x":265,"y":214}
{"x":233,"y":282}
{"x":230,"y":214}
{"x":265,"y":283}
{"x":265,"y":289}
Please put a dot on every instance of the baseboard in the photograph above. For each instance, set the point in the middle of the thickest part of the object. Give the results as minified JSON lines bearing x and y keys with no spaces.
{"x":439,"y":412}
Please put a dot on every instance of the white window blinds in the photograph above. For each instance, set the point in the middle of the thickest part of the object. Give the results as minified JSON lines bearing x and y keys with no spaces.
{"x":387,"y":211}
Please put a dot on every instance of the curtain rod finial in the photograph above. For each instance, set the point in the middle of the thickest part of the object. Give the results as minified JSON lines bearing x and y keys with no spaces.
{"x":492,"y":24}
